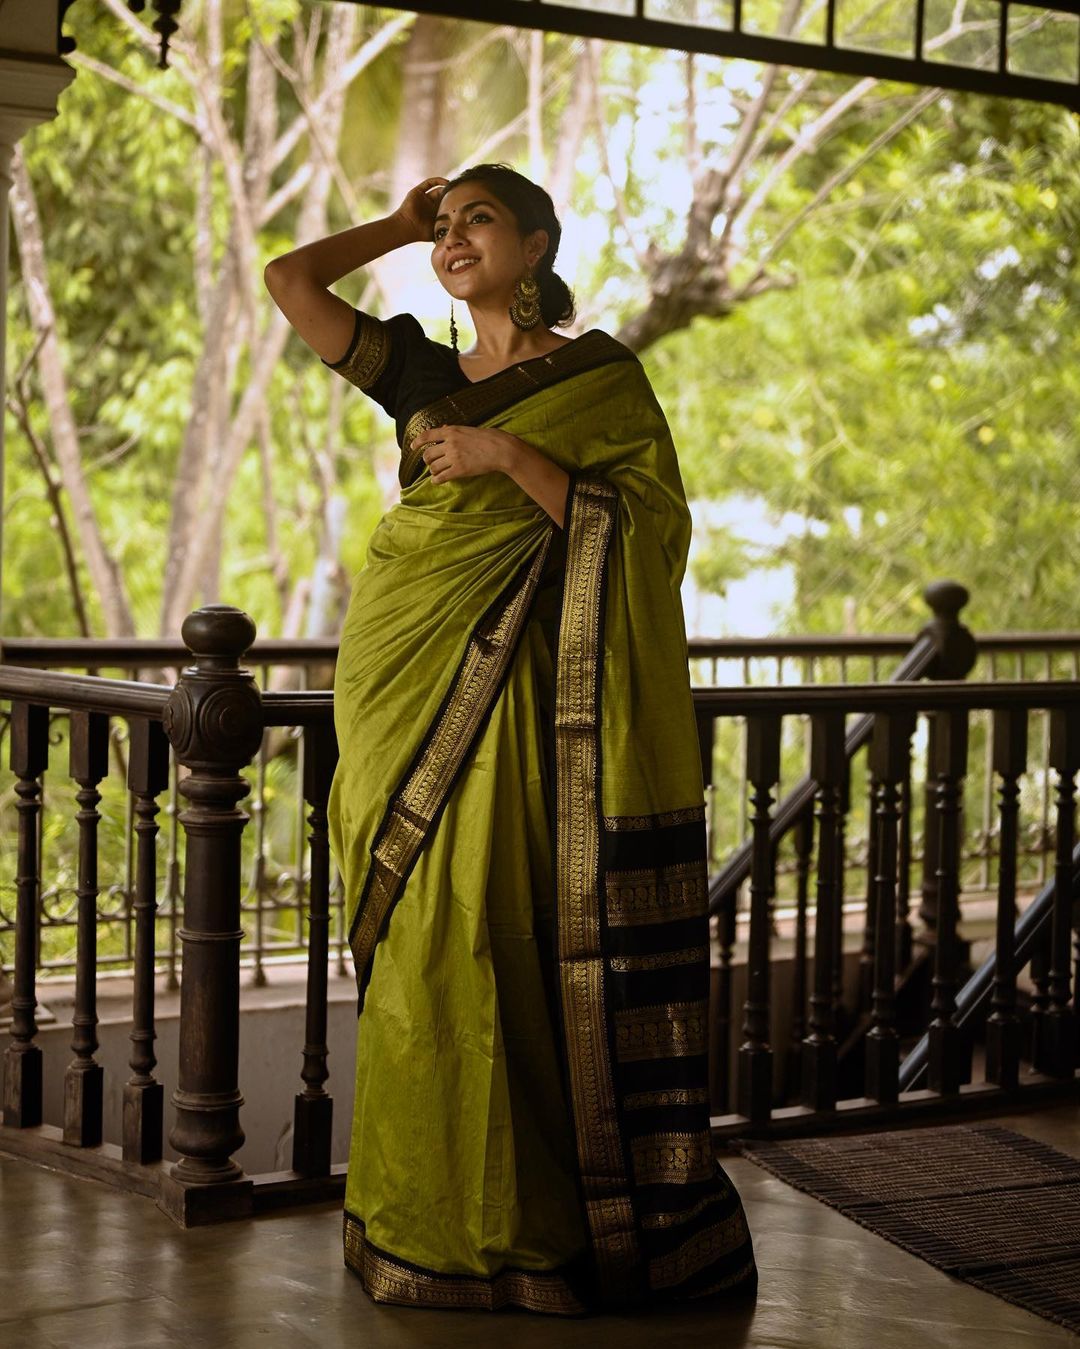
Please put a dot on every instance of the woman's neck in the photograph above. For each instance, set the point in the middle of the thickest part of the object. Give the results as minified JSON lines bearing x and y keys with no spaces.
{"x":500,"y":342}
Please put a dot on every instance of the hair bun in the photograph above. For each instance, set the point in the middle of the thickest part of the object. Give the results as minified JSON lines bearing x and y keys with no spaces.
{"x":556,"y":298}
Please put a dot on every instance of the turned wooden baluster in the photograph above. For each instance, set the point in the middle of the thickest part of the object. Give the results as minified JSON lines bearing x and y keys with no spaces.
{"x":828,"y":766}
{"x":928,"y":897}
{"x":955,"y":656}
{"x":755,"y":1053}
{"x":889,"y":756}
{"x":904,"y":933}
{"x":804,"y":847}
{"x":313,"y":1113}
{"x":720,"y":1029}
{"x":89,"y":763}
{"x":843,"y":807}
{"x":1059,"y":1022}
{"x":214,"y":722}
{"x":1003,"y":1031}
{"x":148,"y":777}
{"x":720,"y":974}
{"x":869,"y":941}
{"x":29,"y":731}
{"x":1040,"y":1000}
{"x":948,"y":1051}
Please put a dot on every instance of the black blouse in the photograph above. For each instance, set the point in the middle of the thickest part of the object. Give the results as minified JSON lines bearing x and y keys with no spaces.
{"x":395,"y":362}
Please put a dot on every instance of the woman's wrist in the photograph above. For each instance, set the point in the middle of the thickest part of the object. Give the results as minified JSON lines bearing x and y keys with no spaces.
{"x":513,"y":453}
{"x":408,"y":229}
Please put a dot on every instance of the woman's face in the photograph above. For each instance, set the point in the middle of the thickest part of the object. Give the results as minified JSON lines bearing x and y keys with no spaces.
{"x":479,"y":253}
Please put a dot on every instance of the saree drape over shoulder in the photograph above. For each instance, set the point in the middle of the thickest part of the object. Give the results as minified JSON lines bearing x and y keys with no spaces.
{"x":518,"y":815}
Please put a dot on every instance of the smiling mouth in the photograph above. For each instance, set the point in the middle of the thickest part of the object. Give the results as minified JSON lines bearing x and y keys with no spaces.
{"x":461,"y":265}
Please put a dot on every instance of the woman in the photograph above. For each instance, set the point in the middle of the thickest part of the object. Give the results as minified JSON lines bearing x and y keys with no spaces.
{"x":518,"y":808}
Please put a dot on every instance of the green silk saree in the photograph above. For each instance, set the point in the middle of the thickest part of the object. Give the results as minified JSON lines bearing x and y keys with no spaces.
{"x":518,"y":816}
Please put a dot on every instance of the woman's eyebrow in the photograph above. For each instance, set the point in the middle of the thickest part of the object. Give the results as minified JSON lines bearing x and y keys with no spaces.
{"x":467,"y":207}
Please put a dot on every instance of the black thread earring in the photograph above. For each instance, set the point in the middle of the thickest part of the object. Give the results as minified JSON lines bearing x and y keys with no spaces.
{"x":453,"y":329}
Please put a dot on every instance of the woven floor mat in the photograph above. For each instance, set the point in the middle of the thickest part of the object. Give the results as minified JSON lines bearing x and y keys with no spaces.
{"x":992,"y":1207}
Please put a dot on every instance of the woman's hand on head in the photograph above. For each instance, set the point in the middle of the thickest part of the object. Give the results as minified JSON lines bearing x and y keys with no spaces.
{"x":417,"y":211}
{"x":466,"y":451}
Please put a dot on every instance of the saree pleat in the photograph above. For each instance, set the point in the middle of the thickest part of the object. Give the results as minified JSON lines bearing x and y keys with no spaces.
{"x":518,"y":815}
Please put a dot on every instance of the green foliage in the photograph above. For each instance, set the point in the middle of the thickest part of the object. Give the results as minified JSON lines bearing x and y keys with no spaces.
{"x":910,"y":407}
{"x":905,"y":410}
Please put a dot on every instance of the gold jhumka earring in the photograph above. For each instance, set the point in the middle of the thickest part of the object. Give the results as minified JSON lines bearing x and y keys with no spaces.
{"x":453,"y":329}
{"x":525,"y":306}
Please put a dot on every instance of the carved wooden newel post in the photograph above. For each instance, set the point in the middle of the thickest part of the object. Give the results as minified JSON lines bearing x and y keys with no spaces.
{"x":214,"y":722}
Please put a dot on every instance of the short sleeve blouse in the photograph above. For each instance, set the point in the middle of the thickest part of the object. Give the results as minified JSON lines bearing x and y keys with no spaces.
{"x":394,"y":362}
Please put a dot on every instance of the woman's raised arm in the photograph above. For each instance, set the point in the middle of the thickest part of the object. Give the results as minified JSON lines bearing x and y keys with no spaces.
{"x":298,"y":281}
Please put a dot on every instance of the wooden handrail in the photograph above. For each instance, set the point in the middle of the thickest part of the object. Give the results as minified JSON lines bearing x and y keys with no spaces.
{"x":87,"y":693}
{"x":46,"y":653}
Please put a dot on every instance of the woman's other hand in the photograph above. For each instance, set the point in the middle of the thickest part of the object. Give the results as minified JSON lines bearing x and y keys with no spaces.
{"x":417,"y":211}
{"x":467,"y":451}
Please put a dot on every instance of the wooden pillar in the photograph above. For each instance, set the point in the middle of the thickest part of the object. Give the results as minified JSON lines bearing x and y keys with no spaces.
{"x":755,"y":1053}
{"x":89,"y":744}
{"x":148,"y":777}
{"x":1003,"y":1032}
{"x":314,"y":1108}
{"x":29,"y":732}
{"x":214,"y":722}
{"x":1059,"y":1024}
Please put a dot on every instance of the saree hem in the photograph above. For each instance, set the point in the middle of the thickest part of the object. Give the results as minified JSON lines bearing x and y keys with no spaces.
{"x":387,"y":1278}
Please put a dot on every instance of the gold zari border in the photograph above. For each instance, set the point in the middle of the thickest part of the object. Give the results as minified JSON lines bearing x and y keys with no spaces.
{"x":651,"y":1100}
{"x":673,"y":1157}
{"x":667,"y":1030}
{"x":369,"y":357}
{"x":592,"y":510}
{"x":741,"y":1275}
{"x":660,"y":960}
{"x":656,"y":895}
{"x":662,"y":1221}
{"x":414,"y":806}
{"x":388,"y":1281}
{"x":697,"y":1251}
{"x":621,"y":823}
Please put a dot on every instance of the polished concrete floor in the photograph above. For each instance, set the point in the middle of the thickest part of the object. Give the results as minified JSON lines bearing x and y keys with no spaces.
{"x":83,"y":1266}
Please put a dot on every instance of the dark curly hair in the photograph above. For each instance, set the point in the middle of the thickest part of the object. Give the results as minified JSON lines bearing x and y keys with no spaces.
{"x":533,"y":209}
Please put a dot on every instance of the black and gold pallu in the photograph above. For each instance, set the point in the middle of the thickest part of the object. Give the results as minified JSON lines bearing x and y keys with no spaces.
{"x":628,"y":926}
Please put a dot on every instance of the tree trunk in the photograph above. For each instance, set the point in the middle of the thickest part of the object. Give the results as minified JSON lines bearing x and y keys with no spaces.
{"x":102,"y":566}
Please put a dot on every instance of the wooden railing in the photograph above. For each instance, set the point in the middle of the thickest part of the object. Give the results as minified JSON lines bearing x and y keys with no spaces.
{"x":274,"y":861}
{"x":216,"y":717}
{"x":1031,"y":1050}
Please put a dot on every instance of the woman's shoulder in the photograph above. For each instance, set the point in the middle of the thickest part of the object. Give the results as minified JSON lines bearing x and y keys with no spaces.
{"x":612,"y":347}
